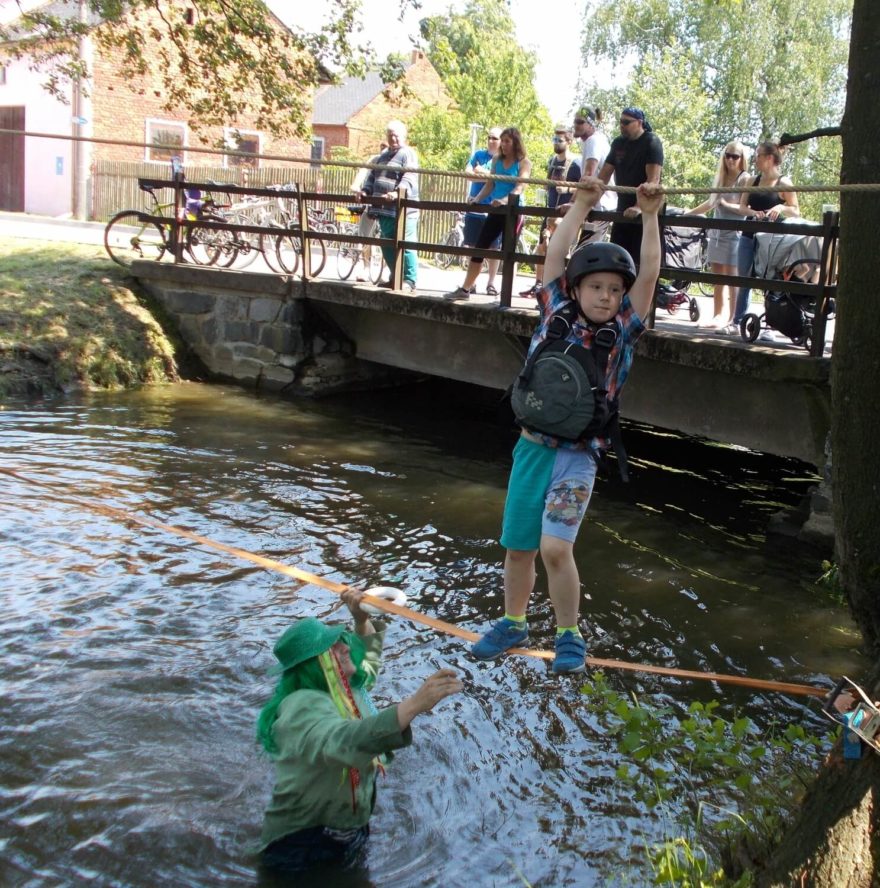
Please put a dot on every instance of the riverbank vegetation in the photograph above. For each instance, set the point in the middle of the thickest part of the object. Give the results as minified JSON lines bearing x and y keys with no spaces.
{"x":69,"y":319}
{"x":724,"y":788}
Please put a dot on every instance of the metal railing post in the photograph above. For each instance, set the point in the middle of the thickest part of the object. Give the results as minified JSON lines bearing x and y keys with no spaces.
{"x":177,"y":214}
{"x":826,"y":265}
{"x":305,"y":242}
{"x":399,"y":236}
{"x":508,"y":248}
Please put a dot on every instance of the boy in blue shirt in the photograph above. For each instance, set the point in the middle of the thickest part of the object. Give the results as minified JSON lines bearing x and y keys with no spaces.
{"x":552,"y":478}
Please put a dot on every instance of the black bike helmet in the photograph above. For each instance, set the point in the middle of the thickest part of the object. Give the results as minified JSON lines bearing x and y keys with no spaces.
{"x":600,"y":257}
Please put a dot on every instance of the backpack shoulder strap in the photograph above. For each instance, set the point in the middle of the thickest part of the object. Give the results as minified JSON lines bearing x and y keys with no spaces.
{"x":557,"y":328}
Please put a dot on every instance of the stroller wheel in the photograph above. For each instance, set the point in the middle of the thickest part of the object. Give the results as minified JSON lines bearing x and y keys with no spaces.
{"x":806,"y":340}
{"x":694,"y":310}
{"x":750,"y":327}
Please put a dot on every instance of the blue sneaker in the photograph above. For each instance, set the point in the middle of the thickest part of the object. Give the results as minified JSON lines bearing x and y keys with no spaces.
{"x":503,"y":635}
{"x":571,"y":650}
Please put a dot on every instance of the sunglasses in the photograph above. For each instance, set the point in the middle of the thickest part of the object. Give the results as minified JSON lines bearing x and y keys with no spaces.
{"x":729,"y":156}
{"x":626,"y":121}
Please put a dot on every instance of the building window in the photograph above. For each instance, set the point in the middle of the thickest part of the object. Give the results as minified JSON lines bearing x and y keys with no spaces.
{"x":190,"y":16}
{"x":317,"y":149}
{"x":170,"y":134}
{"x":240,"y":140}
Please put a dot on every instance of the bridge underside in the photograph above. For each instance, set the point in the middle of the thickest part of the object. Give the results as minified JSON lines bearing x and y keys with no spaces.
{"x":267,"y":331}
{"x":757,"y":397}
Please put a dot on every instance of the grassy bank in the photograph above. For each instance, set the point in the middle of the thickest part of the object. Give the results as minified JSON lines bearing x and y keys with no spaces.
{"x":69,"y":319}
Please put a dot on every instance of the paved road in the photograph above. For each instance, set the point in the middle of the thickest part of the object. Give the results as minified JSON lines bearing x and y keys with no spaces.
{"x":432,"y":280}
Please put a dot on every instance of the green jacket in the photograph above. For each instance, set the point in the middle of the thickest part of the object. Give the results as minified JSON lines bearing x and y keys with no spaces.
{"x":315,"y":746}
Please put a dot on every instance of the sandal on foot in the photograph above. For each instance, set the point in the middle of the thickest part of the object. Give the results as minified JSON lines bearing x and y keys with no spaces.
{"x":490,"y":290}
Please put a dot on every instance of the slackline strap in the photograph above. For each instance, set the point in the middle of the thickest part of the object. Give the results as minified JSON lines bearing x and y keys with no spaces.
{"x":303,"y":576}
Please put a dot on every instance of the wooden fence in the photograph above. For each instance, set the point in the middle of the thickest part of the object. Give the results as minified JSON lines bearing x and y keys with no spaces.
{"x":115,"y":187}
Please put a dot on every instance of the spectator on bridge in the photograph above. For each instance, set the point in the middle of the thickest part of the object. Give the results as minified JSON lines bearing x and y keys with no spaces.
{"x":328,"y":741}
{"x":389,"y":185}
{"x":561,"y":167}
{"x":367,"y":219}
{"x":723,"y":244}
{"x":511,"y":160}
{"x":636,"y":156}
{"x":774,"y":205}
{"x":594,"y":151}
{"x":480,"y":162}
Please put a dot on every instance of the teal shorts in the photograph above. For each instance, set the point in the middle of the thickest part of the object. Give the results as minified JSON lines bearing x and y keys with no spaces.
{"x":548,"y":493}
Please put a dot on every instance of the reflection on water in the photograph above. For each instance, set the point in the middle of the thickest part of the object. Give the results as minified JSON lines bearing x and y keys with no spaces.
{"x":133,"y":662}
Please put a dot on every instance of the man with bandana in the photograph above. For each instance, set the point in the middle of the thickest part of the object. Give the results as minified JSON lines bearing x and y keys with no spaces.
{"x":636,"y":156}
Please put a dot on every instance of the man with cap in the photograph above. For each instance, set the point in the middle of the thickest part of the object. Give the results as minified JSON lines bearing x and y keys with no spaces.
{"x":594,"y":152}
{"x":562,"y":166}
{"x":636,"y":156}
{"x":328,"y":740}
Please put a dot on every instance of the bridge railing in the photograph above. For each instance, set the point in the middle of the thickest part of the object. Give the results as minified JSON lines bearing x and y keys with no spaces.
{"x":821,"y":293}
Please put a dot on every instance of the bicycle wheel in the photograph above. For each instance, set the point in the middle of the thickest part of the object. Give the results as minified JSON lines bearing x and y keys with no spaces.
{"x":127,"y":238}
{"x":287,"y":250}
{"x":377,"y":265}
{"x":347,"y":257}
{"x":453,"y":239}
{"x":204,"y":245}
{"x":211,"y":246}
{"x":319,"y":255}
{"x":705,"y":288}
{"x":247,"y":243}
{"x":267,"y":245}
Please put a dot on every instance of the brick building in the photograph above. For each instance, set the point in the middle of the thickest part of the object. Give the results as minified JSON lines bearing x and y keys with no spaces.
{"x":353,"y":113}
{"x":44,"y":176}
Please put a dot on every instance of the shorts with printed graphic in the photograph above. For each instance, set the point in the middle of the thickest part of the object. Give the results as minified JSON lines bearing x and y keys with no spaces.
{"x":548,"y":493}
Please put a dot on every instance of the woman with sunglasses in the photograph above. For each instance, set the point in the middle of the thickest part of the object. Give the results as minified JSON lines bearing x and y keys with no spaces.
{"x":723,"y":244}
{"x":775,"y":205}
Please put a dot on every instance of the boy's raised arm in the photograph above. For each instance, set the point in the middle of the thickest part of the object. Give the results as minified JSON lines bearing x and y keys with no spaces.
{"x":650,"y":199}
{"x":585,"y":198}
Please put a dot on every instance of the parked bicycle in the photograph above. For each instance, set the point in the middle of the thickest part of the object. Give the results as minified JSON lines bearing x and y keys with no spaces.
{"x":132,"y":235}
{"x":349,"y":255}
{"x":454,"y":238}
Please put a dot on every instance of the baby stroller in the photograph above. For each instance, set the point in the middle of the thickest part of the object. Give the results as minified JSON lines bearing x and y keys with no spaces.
{"x":786,"y":257}
{"x":684,"y":248}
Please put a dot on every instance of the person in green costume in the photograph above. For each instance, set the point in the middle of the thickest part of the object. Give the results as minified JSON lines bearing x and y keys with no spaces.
{"x":329,"y":741}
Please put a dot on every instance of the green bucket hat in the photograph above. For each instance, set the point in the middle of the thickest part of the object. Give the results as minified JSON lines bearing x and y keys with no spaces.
{"x":302,"y":641}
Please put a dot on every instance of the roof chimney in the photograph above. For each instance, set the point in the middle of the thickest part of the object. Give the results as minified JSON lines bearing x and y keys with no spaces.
{"x":416,"y":55}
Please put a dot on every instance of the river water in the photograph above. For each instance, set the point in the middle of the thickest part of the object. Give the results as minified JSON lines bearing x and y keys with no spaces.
{"x":134,"y":662}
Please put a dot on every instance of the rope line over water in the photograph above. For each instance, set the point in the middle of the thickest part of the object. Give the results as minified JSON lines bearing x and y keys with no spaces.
{"x":838,"y":188}
{"x":305,"y":577}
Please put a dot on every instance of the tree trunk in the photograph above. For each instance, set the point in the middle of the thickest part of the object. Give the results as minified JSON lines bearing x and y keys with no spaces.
{"x":835,"y":839}
{"x":855,"y":366}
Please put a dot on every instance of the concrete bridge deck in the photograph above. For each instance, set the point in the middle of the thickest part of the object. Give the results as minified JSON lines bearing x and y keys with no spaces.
{"x":769,"y":397}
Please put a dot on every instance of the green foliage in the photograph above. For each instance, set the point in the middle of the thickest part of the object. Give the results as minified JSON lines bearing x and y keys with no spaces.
{"x":231,"y":60}
{"x":442,"y":138}
{"x":489,"y":75}
{"x":706,"y":73}
{"x":70,"y":308}
{"x":830,"y":580}
{"x":708,"y":775}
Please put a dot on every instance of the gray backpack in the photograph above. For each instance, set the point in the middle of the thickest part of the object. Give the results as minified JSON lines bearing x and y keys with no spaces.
{"x":561,"y":389}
